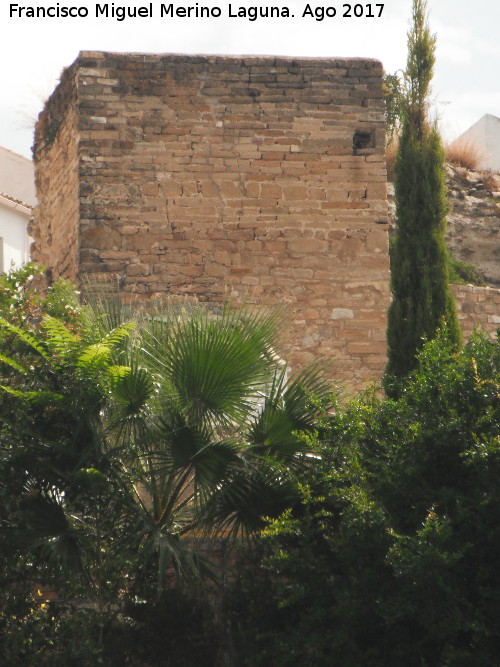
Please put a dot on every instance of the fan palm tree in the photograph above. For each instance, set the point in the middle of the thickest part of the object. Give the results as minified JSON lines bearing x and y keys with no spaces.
{"x":181,"y":424}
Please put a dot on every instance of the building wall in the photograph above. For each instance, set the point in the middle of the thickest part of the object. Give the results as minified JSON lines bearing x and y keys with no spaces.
{"x":14,"y":239}
{"x":17,"y":177}
{"x":485,"y":134}
{"x":56,"y":220}
{"x":259,"y":179}
{"x":17,"y":199}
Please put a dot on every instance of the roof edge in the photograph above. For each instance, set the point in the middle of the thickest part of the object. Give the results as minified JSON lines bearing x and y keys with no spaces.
{"x":230,"y":57}
{"x":16,"y":203}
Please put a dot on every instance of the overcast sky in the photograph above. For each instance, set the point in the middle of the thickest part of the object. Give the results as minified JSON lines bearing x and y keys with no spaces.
{"x":33,"y":51}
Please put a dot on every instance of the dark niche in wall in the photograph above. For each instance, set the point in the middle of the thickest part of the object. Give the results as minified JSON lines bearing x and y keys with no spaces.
{"x":361,"y":141}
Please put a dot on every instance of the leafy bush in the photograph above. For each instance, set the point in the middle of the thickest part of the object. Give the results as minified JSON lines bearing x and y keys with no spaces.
{"x":391,"y":557}
{"x":45,"y":633}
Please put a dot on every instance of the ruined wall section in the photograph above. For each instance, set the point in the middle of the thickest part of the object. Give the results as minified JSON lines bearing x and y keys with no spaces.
{"x":258,"y":178}
{"x":55,"y":226}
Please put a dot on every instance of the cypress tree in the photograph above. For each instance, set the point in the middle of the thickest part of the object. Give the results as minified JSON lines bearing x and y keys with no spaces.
{"x":422,"y":299}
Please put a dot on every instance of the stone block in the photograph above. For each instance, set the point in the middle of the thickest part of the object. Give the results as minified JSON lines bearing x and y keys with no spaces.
{"x":306,"y":246}
{"x":342,"y":314}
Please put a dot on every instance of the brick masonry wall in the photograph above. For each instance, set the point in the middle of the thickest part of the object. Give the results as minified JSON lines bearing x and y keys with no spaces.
{"x":221,"y":177}
{"x":55,"y":226}
{"x":260,"y":179}
{"x":478,"y":307}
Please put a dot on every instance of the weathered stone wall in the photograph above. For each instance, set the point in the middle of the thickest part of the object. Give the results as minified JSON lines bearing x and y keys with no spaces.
{"x":477,"y":307}
{"x":55,"y":227}
{"x":260,"y":179}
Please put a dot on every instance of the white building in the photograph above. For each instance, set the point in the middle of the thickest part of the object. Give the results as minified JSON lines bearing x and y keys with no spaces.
{"x":17,"y":198}
{"x":485,"y":134}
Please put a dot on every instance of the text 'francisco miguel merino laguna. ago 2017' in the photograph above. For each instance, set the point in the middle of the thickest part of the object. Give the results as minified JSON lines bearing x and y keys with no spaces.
{"x":109,"y":10}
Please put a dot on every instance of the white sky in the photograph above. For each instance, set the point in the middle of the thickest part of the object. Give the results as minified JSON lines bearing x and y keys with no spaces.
{"x":33,"y":51}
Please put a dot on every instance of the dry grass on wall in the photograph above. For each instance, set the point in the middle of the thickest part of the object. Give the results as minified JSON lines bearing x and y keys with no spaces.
{"x":491,"y":181}
{"x":464,"y":153}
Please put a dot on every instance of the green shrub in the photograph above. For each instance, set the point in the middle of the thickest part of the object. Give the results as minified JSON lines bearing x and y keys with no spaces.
{"x":392,"y":556}
{"x":462,"y":273}
{"x":47,"y":633}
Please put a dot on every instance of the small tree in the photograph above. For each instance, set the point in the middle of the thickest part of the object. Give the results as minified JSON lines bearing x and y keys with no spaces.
{"x":422,"y":299}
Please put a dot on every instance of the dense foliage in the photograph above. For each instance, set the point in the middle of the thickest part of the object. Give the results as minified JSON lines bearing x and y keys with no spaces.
{"x":419,"y":257}
{"x":121,"y":437}
{"x":391,"y":557}
{"x":126,"y":441}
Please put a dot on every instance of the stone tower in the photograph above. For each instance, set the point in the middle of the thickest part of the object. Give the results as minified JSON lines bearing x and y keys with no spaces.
{"x":262,"y":179}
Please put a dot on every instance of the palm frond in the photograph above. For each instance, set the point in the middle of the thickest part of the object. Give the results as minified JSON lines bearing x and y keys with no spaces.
{"x":307,"y":395}
{"x":50,"y":533}
{"x":131,"y":388}
{"x":59,"y":339}
{"x":94,"y":357}
{"x":117,"y":335}
{"x":41,"y":397}
{"x":291,"y":406}
{"x":273,"y":435}
{"x":8,"y":361}
{"x":26,"y":338}
{"x":249,"y":495}
{"x":172,"y":554}
{"x":215,"y":364}
{"x":196,"y":447}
